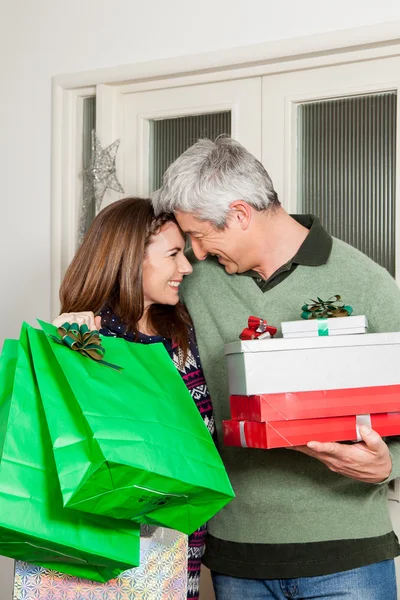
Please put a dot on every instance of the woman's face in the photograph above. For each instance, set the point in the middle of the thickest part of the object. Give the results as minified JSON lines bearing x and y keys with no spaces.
{"x":164,"y":266}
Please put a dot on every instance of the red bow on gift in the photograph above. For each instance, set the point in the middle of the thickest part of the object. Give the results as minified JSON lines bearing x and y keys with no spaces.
{"x":257,"y":329}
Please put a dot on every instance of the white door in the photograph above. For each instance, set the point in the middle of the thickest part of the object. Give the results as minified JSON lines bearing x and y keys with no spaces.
{"x":360,"y":85}
{"x":135,"y":112}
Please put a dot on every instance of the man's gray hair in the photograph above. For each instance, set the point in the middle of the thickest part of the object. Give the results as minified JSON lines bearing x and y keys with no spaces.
{"x":206,"y":178}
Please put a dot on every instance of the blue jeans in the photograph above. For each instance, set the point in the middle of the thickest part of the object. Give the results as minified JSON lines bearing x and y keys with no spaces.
{"x":373,"y":582}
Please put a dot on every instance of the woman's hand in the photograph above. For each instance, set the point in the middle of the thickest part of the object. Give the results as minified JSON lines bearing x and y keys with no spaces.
{"x":81,"y":318}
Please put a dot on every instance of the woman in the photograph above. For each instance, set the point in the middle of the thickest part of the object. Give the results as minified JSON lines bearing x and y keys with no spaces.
{"x":127,"y":272}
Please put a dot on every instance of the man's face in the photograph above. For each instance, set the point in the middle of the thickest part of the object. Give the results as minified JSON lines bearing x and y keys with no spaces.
{"x":207,"y":239}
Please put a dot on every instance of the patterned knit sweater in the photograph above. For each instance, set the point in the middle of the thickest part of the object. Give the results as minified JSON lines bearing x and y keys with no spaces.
{"x":191,"y":372}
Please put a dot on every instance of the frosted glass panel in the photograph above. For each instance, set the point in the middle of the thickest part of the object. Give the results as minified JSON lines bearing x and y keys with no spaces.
{"x":170,"y":137}
{"x":346,"y":170}
{"x":88,"y":209}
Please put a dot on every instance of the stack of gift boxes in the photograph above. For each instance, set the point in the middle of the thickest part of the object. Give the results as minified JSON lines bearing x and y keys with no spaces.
{"x":321,"y":382}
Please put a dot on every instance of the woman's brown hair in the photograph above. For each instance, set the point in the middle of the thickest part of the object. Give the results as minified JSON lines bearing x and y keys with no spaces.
{"x":107,"y":270}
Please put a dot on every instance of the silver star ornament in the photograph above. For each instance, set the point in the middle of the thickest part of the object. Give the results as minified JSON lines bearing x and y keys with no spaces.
{"x":102,"y":171}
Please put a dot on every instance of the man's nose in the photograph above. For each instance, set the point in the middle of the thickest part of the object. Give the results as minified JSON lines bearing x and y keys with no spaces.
{"x":199,"y":253}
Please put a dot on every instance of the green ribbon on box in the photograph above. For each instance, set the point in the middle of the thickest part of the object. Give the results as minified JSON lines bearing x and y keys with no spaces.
{"x":323,"y":328}
{"x":80,"y":339}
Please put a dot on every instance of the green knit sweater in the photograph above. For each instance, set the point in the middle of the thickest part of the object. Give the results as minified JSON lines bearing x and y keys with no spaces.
{"x":304,"y":519}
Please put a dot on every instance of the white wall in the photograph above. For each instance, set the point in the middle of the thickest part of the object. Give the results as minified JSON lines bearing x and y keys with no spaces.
{"x":42,"y":38}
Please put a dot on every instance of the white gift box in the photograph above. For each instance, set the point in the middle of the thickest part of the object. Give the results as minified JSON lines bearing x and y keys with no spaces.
{"x":317,"y":363}
{"x":322,"y":327}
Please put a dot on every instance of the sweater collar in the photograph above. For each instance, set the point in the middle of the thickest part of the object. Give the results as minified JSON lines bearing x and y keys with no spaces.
{"x":316,"y":248}
{"x":313,"y":252}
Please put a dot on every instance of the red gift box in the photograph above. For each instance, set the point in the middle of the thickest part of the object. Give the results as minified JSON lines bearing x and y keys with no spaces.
{"x":310,"y":405}
{"x":298,"y":432}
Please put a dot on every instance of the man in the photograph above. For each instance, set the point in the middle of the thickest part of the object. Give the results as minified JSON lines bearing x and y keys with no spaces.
{"x":309,"y":523}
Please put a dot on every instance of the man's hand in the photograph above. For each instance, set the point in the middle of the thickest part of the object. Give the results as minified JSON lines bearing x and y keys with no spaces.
{"x":367,"y":461}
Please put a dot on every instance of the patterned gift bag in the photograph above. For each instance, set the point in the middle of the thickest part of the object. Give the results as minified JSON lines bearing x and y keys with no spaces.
{"x":162,"y":575}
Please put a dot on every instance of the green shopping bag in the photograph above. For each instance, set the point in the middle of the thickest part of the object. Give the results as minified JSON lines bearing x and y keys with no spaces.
{"x":34,"y":526}
{"x":129,"y":444}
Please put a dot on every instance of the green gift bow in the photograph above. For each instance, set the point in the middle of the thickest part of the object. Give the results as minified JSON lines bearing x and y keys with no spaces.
{"x":81,"y":339}
{"x":326,"y":309}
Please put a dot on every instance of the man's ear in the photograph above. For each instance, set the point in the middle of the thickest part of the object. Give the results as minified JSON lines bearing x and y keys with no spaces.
{"x":241,"y":213}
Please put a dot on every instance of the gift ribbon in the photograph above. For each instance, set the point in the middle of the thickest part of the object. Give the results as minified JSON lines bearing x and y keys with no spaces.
{"x":362,"y":420}
{"x":323,"y":328}
{"x":81,"y":339}
{"x":257,"y":329}
{"x":242,"y":434}
{"x":320,"y":309}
